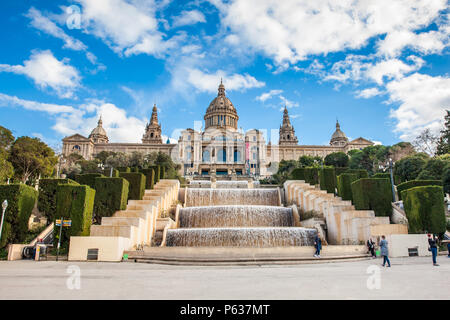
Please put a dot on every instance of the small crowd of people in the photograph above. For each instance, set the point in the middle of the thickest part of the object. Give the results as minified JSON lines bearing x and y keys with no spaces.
{"x":384,"y":250}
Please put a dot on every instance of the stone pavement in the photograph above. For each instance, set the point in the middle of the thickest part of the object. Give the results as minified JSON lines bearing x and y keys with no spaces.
{"x":408,"y":278}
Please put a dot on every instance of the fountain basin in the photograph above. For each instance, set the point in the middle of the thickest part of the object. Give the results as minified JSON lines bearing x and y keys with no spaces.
{"x":197,"y":197}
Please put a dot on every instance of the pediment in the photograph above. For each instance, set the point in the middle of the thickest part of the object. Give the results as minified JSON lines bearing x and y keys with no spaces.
{"x":76,"y":137}
{"x":361,"y":140}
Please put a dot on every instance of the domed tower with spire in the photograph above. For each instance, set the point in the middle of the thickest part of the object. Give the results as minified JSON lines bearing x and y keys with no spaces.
{"x":338,"y":139}
{"x":152,"y":133}
{"x":287,"y":132}
{"x":221,"y":113}
{"x":98,"y":135}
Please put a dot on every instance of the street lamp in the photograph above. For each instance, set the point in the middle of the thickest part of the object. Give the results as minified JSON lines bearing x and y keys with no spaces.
{"x":60,"y":161}
{"x":4,"y":206}
{"x":391,"y":165}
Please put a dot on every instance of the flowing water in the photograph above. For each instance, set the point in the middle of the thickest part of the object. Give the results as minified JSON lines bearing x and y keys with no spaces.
{"x":197,"y":197}
{"x":236,"y":216}
{"x":232,"y":184}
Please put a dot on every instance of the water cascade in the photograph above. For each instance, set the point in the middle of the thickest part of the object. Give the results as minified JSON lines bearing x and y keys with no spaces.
{"x":232,"y":184}
{"x":212,"y":197}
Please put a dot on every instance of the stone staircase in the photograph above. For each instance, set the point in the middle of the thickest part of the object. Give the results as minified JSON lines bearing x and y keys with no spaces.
{"x":129,"y":229}
{"x":344,"y":224}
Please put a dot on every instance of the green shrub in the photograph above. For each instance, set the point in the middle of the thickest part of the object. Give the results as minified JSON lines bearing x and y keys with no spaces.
{"x":157,"y":170}
{"x":298,"y":174}
{"x":111,"y":196}
{"x":327,"y":178}
{"x":380,"y":175}
{"x":134,"y":169}
{"x":137,"y":184}
{"x":162,"y":173}
{"x":361,"y":173}
{"x":312,"y":175}
{"x":344,"y":185}
{"x":424,"y":208}
{"x":415,"y":183}
{"x":21,"y":200}
{"x":77,"y":204}
{"x":107,"y":173}
{"x":88,"y":179}
{"x":373,"y":194}
{"x":340,"y":171}
{"x":123,"y":169}
{"x":47,"y":196}
{"x":150,"y":178}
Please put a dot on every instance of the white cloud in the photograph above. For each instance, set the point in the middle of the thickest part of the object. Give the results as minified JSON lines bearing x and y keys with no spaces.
{"x":392,"y":69}
{"x":268,"y":95}
{"x":13,"y":101}
{"x":128,"y":27}
{"x":47,"y":71}
{"x":119,"y":126}
{"x":188,"y":18}
{"x":369,"y":93}
{"x":288,"y":103}
{"x":423,"y":100}
{"x":290,"y":30}
{"x":208,"y":82}
{"x":44,"y":24}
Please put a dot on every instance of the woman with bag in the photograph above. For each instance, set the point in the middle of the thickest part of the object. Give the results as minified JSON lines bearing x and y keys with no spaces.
{"x":384,"y":251}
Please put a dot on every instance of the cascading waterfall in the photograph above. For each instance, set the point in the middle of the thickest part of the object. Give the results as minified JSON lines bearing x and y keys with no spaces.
{"x":237,"y":218}
{"x":241,"y":237}
{"x":212,"y":197}
{"x":232,"y":184}
{"x":200,"y":184}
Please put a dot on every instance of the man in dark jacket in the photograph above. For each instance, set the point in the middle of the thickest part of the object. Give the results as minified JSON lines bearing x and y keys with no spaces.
{"x":318,"y":246}
{"x":371,"y":247}
{"x":432,"y":242}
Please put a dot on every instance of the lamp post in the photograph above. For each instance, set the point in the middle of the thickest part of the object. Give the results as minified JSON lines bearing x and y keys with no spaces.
{"x":4,"y":206}
{"x":60,"y":161}
{"x":391,"y":165}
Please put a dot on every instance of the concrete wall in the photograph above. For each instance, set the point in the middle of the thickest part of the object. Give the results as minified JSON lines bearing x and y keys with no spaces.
{"x":345,"y":225}
{"x":136,"y":224}
{"x":398,"y":244}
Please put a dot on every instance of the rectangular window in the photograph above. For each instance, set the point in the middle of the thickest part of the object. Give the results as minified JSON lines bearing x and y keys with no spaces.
{"x":92,"y":254}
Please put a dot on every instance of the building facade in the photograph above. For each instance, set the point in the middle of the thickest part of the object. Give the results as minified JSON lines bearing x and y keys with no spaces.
{"x":221,"y":148}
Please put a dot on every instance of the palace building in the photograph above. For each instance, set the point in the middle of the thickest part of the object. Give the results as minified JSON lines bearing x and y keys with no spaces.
{"x":221,"y":148}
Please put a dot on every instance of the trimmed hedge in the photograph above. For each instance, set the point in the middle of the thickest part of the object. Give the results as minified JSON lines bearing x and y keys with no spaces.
{"x":340,"y":170}
{"x":88,"y":179}
{"x":134,"y":169}
{"x":373,"y":194}
{"x":416,"y":183}
{"x":107,"y":173}
{"x":157,"y":170}
{"x":123,"y":169}
{"x":150,"y":178}
{"x":298,"y":174}
{"x":137,"y":184}
{"x":344,"y":185}
{"x":380,"y":175}
{"x":111,"y":196}
{"x":327,"y":178}
{"x":21,"y":200}
{"x":361,"y":173}
{"x":77,"y":204}
{"x":162,"y":173}
{"x":47,"y":196}
{"x":424,"y":208}
{"x":312,"y":175}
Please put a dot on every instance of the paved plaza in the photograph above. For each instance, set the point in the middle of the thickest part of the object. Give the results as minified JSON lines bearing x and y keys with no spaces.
{"x":408,"y":278}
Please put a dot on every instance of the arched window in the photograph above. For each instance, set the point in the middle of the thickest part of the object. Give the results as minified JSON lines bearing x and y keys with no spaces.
{"x":222,"y":155}
{"x":206,"y":156}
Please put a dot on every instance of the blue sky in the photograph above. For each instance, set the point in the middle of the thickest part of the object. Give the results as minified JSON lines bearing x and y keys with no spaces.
{"x":380,"y":67}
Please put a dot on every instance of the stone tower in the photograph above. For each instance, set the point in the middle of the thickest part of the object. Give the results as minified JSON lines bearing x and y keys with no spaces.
{"x":287,"y":132}
{"x":152,"y":133}
{"x":338,"y":139}
{"x":221,"y":113}
{"x":98,"y":135}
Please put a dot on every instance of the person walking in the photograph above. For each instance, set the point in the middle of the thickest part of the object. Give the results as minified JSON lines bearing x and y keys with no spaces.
{"x":384,"y":251}
{"x":448,"y":248}
{"x":432,"y":242}
{"x":318,"y":246}
{"x":371,"y":247}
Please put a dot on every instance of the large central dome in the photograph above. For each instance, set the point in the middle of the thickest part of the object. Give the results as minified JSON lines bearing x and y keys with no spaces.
{"x":221,"y":113}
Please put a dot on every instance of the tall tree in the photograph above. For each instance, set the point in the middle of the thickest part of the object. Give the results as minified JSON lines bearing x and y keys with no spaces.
{"x":426,"y":142}
{"x":409,"y":168}
{"x":6,"y":168}
{"x":31,"y":158}
{"x":337,"y":159}
{"x":443,"y":145}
